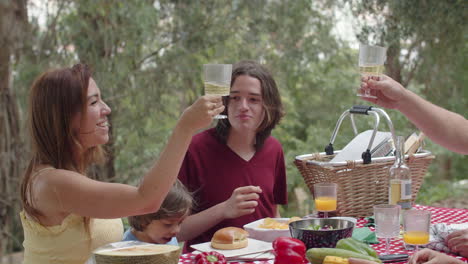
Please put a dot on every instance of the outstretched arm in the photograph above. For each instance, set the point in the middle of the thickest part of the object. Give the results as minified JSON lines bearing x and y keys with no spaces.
{"x":444,"y":127}
{"x":59,"y":192}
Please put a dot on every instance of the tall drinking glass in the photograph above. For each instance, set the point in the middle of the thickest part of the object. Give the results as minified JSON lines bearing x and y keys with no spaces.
{"x":416,"y":224}
{"x":371,"y":63}
{"x":217,"y":80}
{"x":325,"y":197}
{"x":387,"y":223}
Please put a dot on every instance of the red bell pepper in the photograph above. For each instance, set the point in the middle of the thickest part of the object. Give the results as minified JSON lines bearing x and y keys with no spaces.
{"x":212,"y":257}
{"x":289,"y":250}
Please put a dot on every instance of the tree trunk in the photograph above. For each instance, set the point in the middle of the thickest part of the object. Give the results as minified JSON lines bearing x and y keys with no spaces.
{"x":445,"y":167}
{"x":393,"y":63}
{"x":13,"y":16}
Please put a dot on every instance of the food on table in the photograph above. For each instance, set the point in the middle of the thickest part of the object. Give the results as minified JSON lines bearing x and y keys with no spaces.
{"x":348,"y":244}
{"x":289,"y":250}
{"x":270,"y":223}
{"x":317,"y":255}
{"x":230,"y":238}
{"x":293,"y":219}
{"x":339,"y":260}
{"x":318,"y":227}
{"x":335,"y":260}
{"x":356,"y":246}
{"x":144,"y":253}
{"x":139,"y":250}
{"x":212,"y":257}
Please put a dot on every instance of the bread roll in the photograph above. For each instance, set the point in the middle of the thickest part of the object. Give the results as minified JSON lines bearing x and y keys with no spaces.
{"x":230,"y":238}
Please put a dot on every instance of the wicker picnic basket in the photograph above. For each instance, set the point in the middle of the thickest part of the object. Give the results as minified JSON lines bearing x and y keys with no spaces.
{"x":361,"y":183}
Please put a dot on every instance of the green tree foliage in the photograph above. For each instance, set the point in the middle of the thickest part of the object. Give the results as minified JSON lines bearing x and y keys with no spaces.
{"x":147,"y":58}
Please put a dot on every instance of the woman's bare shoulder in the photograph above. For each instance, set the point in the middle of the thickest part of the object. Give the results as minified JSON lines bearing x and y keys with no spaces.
{"x":47,"y":181}
{"x":50,"y":175}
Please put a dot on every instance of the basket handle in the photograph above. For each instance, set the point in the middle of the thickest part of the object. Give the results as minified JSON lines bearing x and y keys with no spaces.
{"x":361,"y":110}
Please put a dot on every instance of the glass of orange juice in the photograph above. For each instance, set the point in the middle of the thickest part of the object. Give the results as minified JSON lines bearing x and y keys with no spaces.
{"x":325,"y":197}
{"x":416,"y":224}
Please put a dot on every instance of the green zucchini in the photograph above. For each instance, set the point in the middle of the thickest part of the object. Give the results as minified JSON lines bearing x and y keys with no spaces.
{"x":347,"y":244}
{"x":317,"y":255}
{"x":370,"y":251}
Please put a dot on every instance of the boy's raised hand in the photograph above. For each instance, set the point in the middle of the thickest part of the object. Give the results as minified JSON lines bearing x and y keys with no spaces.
{"x":242,"y":201}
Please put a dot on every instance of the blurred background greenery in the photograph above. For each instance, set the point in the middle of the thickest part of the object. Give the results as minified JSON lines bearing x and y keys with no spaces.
{"x":147,"y":58}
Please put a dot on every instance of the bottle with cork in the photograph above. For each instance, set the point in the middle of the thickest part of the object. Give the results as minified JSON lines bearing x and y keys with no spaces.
{"x":400,"y":178}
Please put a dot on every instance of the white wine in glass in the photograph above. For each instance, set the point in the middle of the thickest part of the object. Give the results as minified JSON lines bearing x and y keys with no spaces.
{"x":216,"y":89}
{"x":371,"y":70}
{"x":371,"y":63}
{"x":217,"y":81}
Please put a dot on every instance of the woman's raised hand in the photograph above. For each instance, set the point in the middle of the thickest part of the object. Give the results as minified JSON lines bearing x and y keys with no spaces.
{"x":200,"y":114}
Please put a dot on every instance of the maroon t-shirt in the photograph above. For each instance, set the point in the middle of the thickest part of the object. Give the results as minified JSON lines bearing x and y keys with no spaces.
{"x":212,"y":171}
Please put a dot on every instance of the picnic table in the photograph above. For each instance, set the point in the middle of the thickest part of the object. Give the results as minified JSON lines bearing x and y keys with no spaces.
{"x":439,"y":215}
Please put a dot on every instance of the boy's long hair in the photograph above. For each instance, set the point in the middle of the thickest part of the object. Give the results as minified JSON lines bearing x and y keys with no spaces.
{"x":271,"y":102}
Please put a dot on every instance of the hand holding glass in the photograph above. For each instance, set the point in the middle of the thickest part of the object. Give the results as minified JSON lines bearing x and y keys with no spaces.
{"x":371,"y":63}
{"x":217,"y":80}
{"x":325,"y":197}
{"x":387,"y":223}
{"x":416,"y":224}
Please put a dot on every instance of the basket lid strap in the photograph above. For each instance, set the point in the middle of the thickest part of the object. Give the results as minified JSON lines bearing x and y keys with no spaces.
{"x":313,"y":156}
{"x":411,"y":158}
{"x":350,"y":164}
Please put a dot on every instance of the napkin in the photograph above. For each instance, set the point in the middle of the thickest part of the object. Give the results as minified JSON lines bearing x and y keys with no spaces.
{"x":364,"y":234}
{"x":370,"y":221}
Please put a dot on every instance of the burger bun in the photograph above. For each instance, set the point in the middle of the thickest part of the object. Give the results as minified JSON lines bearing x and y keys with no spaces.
{"x":230,"y":238}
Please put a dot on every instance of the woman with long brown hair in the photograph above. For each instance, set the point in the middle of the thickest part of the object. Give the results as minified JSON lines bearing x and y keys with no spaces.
{"x":66,"y":214}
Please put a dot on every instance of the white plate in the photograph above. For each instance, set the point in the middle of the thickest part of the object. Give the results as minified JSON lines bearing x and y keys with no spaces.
{"x":254,"y":246}
{"x":264,"y":234}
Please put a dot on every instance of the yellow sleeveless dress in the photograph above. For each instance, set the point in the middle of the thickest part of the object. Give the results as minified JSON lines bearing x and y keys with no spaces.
{"x":67,"y":243}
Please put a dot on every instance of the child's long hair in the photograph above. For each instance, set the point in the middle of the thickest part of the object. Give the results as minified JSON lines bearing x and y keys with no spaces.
{"x":271,"y":101}
{"x":177,"y":203}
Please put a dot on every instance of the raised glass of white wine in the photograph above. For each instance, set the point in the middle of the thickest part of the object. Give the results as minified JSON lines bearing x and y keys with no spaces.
{"x":371,"y":63}
{"x":217,"y":80}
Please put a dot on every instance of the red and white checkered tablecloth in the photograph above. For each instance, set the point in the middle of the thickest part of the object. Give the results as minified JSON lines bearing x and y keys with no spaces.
{"x":439,"y":215}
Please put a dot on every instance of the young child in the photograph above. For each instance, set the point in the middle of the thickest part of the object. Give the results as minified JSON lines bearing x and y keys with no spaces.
{"x":162,"y":226}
